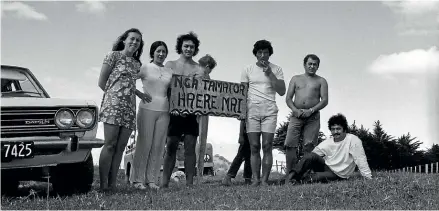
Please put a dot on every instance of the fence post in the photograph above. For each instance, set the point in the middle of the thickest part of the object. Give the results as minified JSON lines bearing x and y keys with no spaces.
{"x":426,"y":168}
{"x":437,"y":167}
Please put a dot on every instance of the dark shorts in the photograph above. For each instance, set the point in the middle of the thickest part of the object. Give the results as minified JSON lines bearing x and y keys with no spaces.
{"x":179,"y":125}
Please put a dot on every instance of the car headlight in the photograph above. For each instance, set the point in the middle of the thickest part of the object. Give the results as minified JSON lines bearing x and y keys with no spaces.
{"x":85,"y":118}
{"x":64,"y":118}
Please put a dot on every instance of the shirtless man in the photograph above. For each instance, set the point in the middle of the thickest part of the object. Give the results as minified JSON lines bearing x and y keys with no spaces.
{"x":310,"y":93}
{"x":182,"y":127}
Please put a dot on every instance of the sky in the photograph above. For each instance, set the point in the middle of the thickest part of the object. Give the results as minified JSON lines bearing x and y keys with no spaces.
{"x":381,"y":59}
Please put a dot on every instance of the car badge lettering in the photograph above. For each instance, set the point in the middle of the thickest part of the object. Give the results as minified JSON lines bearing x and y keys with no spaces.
{"x":37,"y":122}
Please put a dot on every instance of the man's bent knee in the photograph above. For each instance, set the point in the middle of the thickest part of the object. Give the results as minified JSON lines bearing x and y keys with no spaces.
{"x":311,"y":155}
{"x":309,"y":147}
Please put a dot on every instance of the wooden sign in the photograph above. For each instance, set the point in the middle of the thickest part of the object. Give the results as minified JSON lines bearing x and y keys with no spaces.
{"x":199,"y":96}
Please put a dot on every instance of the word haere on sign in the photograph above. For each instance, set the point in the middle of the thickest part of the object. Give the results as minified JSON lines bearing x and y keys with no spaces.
{"x":190,"y":95}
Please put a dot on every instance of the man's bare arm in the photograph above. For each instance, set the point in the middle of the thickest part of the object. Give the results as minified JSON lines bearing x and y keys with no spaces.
{"x":290,"y":95}
{"x":279,"y":85}
{"x":246,"y":94}
{"x":323,"y":96}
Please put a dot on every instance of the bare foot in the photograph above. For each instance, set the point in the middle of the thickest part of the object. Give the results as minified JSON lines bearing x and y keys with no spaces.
{"x":255,"y":183}
{"x":153,"y":186}
{"x":264,"y":184}
{"x":199,"y":180}
{"x":139,"y":185}
{"x":227,"y":181}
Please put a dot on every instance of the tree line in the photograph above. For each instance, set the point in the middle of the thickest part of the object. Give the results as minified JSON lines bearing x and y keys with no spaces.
{"x":383,"y":151}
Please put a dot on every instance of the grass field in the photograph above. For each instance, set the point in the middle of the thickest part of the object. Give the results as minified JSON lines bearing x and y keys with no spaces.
{"x":386,"y":191}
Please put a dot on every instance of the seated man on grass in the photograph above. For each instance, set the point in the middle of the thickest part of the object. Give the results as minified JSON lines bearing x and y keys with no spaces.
{"x":334,"y":158}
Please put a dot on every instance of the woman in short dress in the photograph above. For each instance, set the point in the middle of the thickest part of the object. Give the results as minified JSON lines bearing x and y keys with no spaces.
{"x":117,"y":79}
{"x":152,"y":119}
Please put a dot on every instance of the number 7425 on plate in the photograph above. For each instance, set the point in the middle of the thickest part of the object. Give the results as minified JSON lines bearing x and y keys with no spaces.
{"x":17,"y":149}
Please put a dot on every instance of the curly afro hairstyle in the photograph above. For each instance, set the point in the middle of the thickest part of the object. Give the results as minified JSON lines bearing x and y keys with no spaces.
{"x":262,"y":44}
{"x":185,"y":37}
{"x":338,"y":119}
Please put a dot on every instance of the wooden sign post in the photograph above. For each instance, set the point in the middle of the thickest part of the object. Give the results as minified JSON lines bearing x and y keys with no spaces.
{"x":198,"y":96}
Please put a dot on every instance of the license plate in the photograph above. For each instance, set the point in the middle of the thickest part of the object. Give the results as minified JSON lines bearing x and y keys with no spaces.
{"x":11,"y":150}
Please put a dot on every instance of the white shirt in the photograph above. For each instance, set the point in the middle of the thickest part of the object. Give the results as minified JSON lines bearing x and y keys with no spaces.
{"x":155,"y":80}
{"x":341,"y":157}
{"x":260,"y":87}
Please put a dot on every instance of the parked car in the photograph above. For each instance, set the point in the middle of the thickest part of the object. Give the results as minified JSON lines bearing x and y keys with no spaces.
{"x":179,"y":164}
{"x":45,"y":138}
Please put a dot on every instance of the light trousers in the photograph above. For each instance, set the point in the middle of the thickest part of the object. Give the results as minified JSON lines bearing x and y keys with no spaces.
{"x":152,"y":129}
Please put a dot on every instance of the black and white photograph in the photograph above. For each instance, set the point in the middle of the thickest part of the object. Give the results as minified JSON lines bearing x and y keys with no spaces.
{"x":220,"y":105}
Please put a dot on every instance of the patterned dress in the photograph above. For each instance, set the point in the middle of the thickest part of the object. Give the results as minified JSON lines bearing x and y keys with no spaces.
{"x":119,"y":101}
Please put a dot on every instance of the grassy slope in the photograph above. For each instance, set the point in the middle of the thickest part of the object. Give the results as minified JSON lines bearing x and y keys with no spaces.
{"x":386,"y":191}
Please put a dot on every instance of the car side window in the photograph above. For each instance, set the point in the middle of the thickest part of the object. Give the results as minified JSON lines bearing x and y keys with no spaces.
{"x":27,"y":85}
{"x":9,"y":85}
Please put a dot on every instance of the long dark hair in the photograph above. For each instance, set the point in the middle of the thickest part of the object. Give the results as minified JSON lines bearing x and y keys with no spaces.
{"x":118,"y":45}
{"x":154,"y":47}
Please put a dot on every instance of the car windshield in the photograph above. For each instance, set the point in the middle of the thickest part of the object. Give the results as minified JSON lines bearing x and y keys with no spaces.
{"x":17,"y":83}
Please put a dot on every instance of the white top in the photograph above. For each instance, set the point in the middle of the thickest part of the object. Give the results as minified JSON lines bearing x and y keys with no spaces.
{"x":156,"y":82}
{"x":341,"y":157}
{"x":260,"y":87}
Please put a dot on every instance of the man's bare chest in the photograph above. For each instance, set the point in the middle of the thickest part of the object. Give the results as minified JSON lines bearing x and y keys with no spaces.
{"x":307,"y":85}
{"x":185,"y":70}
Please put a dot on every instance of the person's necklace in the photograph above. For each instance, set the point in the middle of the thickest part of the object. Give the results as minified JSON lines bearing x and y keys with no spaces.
{"x":161,"y":73}
{"x":159,"y":69}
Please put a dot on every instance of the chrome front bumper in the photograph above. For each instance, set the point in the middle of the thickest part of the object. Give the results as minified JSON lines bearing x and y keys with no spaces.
{"x":79,"y":153}
{"x":56,"y":142}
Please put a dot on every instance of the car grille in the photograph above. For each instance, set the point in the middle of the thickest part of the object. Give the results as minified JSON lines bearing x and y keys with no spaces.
{"x":32,"y":121}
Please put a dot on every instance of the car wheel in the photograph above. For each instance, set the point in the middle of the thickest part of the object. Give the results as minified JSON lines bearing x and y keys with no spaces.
{"x":9,"y":184}
{"x":73,"y":177}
